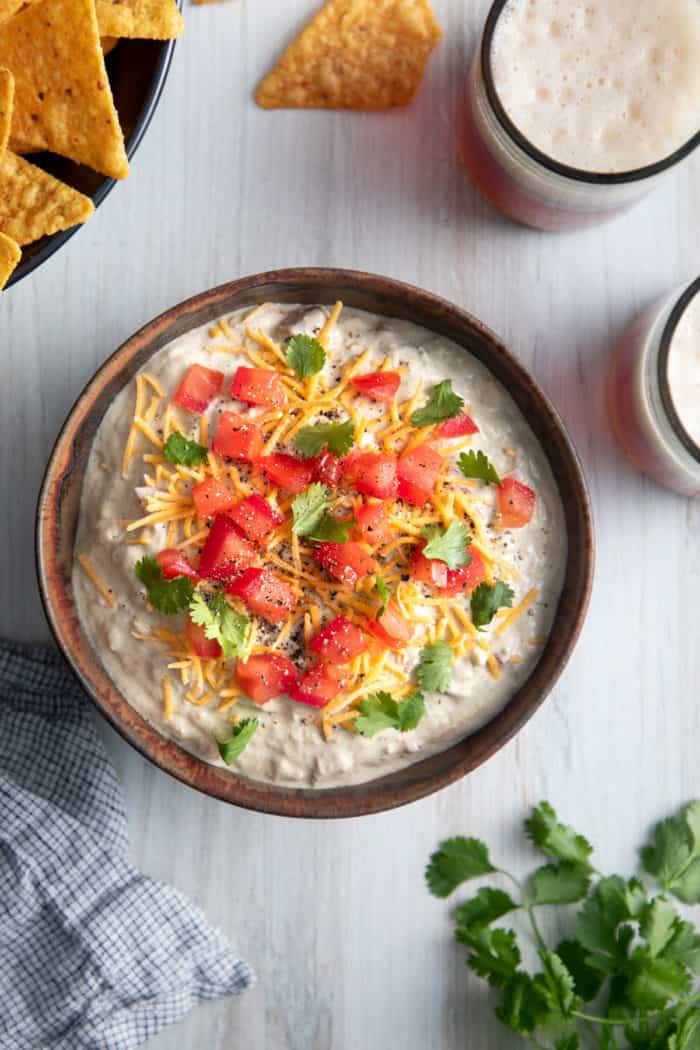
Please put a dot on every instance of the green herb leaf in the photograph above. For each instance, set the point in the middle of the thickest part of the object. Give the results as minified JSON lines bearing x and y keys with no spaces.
{"x":684,"y":947}
{"x":448,"y":545}
{"x":305,"y":355}
{"x":338,"y":438}
{"x":494,"y":954}
{"x":488,"y":905}
{"x":599,"y":925}
{"x":443,"y":403}
{"x":379,"y":711}
{"x":474,"y":464}
{"x":687,"y":1036}
{"x":457,"y":860}
{"x":657,"y":924}
{"x":236,"y":744}
{"x":522,"y":1007}
{"x":384,"y":594}
{"x":559,"y":982}
{"x":179,"y":449}
{"x":564,"y":883}
{"x":221,"y":623}
{"x":655,"y":981}
{"x":434,"y":670}
{"x":674,"y":857}
{"x":487,"y":599}
{"x":587,"y":981}
{"x":309,"y":508}
{"x":167,"y":596}
{"x":556,"y":840}
{"x":331,"y":530}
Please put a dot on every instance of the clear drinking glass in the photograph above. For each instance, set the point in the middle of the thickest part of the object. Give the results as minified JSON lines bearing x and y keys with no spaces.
{"x":526,"y":184}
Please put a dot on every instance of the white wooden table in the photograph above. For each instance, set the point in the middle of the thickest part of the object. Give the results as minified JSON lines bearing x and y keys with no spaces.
{"x":351,"y":951}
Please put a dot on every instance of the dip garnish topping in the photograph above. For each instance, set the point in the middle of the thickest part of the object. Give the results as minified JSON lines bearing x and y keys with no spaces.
{"x":443,"y":403}
{"x":221,"y":623}
{"x":242,"y":732}
{"x":448,"y":545}
{"x":487,"y":599}
{"x":379,"y":711}
{"x":179,"y":449}
{"x":474,"y":464}
{"x":305,"y":355}
{"x":434,"y":670}
{"x":166,"y":595}
{"x":384,"y":594}
{"x":338,"y":438}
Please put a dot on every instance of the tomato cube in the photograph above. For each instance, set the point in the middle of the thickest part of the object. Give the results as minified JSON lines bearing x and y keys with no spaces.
{"x":259,"y":386}
{"x":174,"y":563}
{"x":427,"y":570}
{"x":417,"y":471}
{"x":266,"y":675}
{"x":459,"y":426}
{"x":467,"y":577}
{"x":265,"y":593}
{"x":327,"y":468}
{"x":380,"y":386}
{"x":211,"y":497}
{"x":412,"y":494}
{"x":319,"y":685}
{"x":206,"y":648}
{"x":346,"y":562}
{"x":198,"y":388}
{"x":339,"y":641}
{"x":391,"y":629}
{"x":516,"y":504}
{"x":255,"y":518}
{"x":237,"y":438}
{"x":225,"y":552}
{"x":372,"y":526}
{"x":286,"y":472}
{"x":373,"y":474}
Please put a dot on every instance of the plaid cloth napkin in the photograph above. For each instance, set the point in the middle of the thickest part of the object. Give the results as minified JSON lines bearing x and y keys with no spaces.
{"x":92,"y":953}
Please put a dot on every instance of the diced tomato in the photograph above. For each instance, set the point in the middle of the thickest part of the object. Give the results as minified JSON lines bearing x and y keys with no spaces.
{"x":265,"y":675}
{"x":237,"y":438}
{"x":372,"y":525}
{"x":516,"y":504}
{"x":346,"y":562}
{"x":286,"y":472}
{"x":318,"y":685}
{"x":391,"y":629}
{"x":427,"y":570}
{"x":373,"y":474}
{"x":198,"y":388}
{"x":174,"y":563}
{"x":207,"y":648}
{"x":380,"y":386}
{"x":225,"y":552}
{"x":255,"y":518}
{"x":212,"y":497}
{"x":412,"y":494}
{"x":258,"y":386}
{"x":458,"y":426}
{"x":265,"y":593}
{"x":339,"y":641}
{"x":417,"y":471}
{"x":327,"y":468}
{"x":447,"y":581}
{"x":467,"y":577}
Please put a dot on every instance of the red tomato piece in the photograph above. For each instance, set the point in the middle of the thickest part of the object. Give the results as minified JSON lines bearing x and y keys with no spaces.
{"x":516,"y":504}
{"x":412,"y":494}
{"x":265,"y":675}
{"x":174,"y":563}
{"x":225,"y":552}
{"x":346,"y":562}
{"x":318,"y":685}
{"x":417,"y":471}
{"x":207,"y":648}
{"x":458,"y":426}
{"x":237,"y":438}
{"x":391,"y":629}
{"x":427,"y":570}
{"x":339,"y":641}
{"x":327,"y":468}
{"x":212,"y":497}
{"x":380,"y":386}
{"x":258,"y":386}
{"x":265,"y":593}
{"x":373,"y":474}
{"x":198,"y":388}
{"x":286,"y":472}
{"x":467,"y":577}
{"x":255,"y":518}
{"x":372,"y":525}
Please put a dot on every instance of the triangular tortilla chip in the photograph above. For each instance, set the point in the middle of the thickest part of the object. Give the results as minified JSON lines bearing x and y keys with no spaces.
{"x":9,"y":257}
{"x":33,"y":204}
{"x":7,"y":91}
{"x":355,"y":54}
{"x":9,"y":7}
{"x":151,"y":19}
{"x":63,"y":101}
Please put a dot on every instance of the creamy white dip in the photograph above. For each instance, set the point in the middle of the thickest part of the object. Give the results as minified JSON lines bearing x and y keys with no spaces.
{"x":684,"y":368}
{"x":288,"y":747}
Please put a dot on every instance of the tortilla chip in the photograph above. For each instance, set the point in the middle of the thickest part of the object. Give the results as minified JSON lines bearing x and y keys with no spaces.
{"x":355,"y":54}
{"x":9,"y":257}
{"x":7,"y":91}
{"x":34,"y":204}
{"x":10,"y":7}
{"x":151,"y":19}
{"x":63,"y":101}
{"x":108,"y":43}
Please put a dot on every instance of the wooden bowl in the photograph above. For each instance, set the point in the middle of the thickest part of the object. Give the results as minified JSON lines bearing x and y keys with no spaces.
{"x":59,"y":502}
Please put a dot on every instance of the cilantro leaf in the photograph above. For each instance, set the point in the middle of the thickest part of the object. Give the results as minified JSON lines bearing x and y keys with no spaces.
{"x":657,"y":924}
{"x":555,"y":839}
{"x":380,"y":711}
{"x":474,"y":464}
{"x":305,"y":355}
{"x":687,"y":1036}
{"x":448,"y":545}
{"x":684,"y":947}
{"x":655,"y":981}
{"x":488,"y":905}
{"x":434,"y":670}
{"x":487,"y":599}
{"x":443,"y":403}
{"x":167,"y":596}
{"x":309,"y":507}
{"x":674,"y":857}
{"x":338,"y":438}
{"x":331,"y":530}
{"x":179,"y":449}
{"x":522,"y":1007}
{"x":564,"y":883}
{"x":242,"y":733}
{"x":558,"y":982}
{"x":384,"y":594}
{"x":221,"y":623}
{"x":457,"y":860}
{"x":494,"y":954}
{"x":587,"y":981}
{"x":599,"y":925}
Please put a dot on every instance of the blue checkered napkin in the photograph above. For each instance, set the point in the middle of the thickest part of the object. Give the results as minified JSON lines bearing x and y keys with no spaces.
{"x":93,"y":955}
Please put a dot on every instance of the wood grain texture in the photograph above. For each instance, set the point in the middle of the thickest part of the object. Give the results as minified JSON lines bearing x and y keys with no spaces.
{"x":350,"y":950}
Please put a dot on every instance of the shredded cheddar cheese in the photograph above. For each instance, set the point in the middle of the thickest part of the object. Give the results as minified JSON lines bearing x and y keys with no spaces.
{"x":96,"y":580}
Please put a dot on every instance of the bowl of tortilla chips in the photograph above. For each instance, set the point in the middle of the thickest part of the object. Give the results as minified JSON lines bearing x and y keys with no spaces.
{"x":79,"y":82}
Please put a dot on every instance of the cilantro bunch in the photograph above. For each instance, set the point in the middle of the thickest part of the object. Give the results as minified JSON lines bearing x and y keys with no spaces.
{"x":624,"y":977}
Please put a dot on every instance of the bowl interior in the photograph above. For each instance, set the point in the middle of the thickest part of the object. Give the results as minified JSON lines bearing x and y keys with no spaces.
{"x":60,"y":498}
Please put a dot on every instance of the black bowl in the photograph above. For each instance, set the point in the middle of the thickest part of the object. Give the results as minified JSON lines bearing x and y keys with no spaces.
{"x":137,"y":73}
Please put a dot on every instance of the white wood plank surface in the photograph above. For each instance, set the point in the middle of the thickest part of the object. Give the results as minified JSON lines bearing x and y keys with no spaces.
{"x":351,"y":951}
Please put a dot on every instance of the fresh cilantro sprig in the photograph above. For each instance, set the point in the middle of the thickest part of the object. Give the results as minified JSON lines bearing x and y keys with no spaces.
{"x":442,"y":404}
{"x":475,"y":464}
{"x":487,"y":599}
{"x":241,"y":735}
{"x":448,"y":545}
{"x":179,"y":449}
{"x":384,"y":595}
{"x":305,"y":355}
{"x":380,"y":711}
{"x":434,"y":669}
{"x":338,"y":438}
{"x":221,"y":623}
{"x":624,"y":976}
{"x":312,"y":518}
{"x":167,"y":596}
